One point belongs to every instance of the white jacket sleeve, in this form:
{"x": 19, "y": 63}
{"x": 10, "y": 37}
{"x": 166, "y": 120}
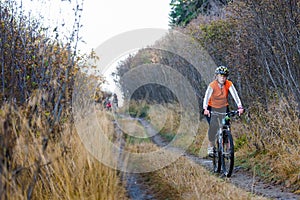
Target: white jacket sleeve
{"x": 235, "y": 96}
{"x": 208, "y": 93}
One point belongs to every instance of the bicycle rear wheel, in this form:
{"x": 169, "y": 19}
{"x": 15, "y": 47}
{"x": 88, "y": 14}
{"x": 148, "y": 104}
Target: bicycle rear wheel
{"x": 217, "y": 159}
{"x": 227, "y": 154}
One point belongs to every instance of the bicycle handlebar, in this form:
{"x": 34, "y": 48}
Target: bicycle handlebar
{"x": 230, "y": 113}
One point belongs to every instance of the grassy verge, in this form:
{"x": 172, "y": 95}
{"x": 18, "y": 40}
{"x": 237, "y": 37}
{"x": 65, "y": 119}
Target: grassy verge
{"x": 266, "y": 142}
{"x": 59, "y": 168}
{"x": 185, "y": 179}
{"x": 271, "y": 148}
{"x": 192, "y": 181}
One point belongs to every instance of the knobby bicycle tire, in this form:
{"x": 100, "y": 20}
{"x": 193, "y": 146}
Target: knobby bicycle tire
{"x": 217, "y": 158}
{"x": 227, "y": 154}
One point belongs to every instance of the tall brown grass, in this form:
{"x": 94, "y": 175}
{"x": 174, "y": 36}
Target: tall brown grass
{"x": 189, "y": 180}
{"x": 167, "y": 118}
{"x": 185, "y": 179}
{"x": 272, "y": 143}
{"x": 53, "y": 168}
{"x": 267, "y": 144}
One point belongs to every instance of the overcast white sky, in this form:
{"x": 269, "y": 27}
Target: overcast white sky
{"x": 103, "y": 19}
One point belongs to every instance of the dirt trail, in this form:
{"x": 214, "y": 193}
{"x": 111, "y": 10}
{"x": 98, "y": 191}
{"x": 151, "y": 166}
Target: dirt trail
{"x": 240, "y": 177}
{"x": 249, "y": 182}
{"x": 134, "y": 184}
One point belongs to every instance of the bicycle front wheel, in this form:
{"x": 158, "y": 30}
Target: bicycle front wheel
{"x": 227, "y": 154}
{"x": 217, "y": 159}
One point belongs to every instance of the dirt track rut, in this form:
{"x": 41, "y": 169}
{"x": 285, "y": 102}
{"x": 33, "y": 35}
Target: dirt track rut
{"x": 241, "y": 178}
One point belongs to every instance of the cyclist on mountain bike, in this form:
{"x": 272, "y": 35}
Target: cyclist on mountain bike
{"x": 115, "y": 102}
{"x": 216, "y": 99}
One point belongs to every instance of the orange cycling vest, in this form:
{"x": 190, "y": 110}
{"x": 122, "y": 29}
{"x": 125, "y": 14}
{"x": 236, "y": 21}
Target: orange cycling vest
{"x": 219, "y": 96}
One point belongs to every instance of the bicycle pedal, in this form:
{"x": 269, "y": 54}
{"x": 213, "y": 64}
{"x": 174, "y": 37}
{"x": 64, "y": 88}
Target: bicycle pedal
{"x": 211, "y": 155}
{"x": 226, "y": 153}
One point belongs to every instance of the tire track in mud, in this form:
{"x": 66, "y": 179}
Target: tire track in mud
{"x": 241, "y": 178}
{"x": 133, "y": 182}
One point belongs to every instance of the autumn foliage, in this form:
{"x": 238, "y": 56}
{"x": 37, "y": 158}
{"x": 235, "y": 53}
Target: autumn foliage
{"x": 259, "y": 42}
{"x": 38, "y": 142}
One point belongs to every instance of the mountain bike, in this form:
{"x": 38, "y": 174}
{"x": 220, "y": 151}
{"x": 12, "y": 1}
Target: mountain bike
{"x": 223, "y": 156}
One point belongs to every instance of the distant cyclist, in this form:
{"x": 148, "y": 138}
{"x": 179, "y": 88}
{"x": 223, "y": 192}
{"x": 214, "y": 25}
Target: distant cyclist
{"x": 115, "y": 102}
{"x": 107, "y": 103}
{"x": 216, "y": 99}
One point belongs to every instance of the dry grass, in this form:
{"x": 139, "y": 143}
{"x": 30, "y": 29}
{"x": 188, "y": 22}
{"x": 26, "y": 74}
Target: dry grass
{"x": 182, "y": 127}
{"x": 167, "y": 120}
{"x": 164, "y": 118}
{"x": 192, "y": 181}
{"x": 185, "y": 179}
{"x": 273, "y": 140}
{"x": 62, "y": 169}
{"x": 132, "y": 127}
{"x": 268, "y": 144}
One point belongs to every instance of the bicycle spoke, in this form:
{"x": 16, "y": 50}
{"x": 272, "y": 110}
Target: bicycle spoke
{"x": 217, "y": 159}
{"x": 227, "y": 157}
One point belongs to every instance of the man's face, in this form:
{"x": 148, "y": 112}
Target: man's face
{"x": 221, "y": 78}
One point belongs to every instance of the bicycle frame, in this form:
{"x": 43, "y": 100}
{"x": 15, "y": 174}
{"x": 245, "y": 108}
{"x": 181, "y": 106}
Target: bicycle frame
{"x": 224, "y": 154}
